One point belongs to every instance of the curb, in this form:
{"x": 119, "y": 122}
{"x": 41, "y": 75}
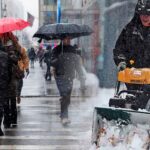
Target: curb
{"x": 38, "y": 96}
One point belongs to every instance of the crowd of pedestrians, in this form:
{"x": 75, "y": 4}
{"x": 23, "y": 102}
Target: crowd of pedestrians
{"x": 62, "y": 62}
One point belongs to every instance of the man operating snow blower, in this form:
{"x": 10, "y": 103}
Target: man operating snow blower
{"x": 132, "y": 50}
{"x": 132, "y": 57}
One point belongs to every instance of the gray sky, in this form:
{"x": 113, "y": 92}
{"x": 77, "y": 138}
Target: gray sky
{"x": 32, "y": 7}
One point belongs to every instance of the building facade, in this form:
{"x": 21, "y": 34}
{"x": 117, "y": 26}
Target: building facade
{"x": 47, "y": 11}
{"x": 107, "y": 19}
{"x": 15, "y": 9}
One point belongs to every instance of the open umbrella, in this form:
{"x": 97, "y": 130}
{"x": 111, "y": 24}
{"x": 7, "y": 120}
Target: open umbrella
{"x": 61, "y": 30}
{"x": 12, "y": 24}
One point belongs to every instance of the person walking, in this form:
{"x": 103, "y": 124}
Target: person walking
{"x": 5, "y": 77}
{"x": 132, "y": 48}
{"x": 32, "y": 56}
{"x": 10, "y": 109}
{"x": 40, "y": 55}
{"x": 23, "y": 64}
{"x": 65, "y": 62}
{"x": 47, "y": 60}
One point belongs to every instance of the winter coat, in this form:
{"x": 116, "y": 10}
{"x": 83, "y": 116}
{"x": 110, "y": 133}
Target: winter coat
{"x": 5, "y": 72}
{"x": 66, "y": 62}
{"x": 133, "y": 44}
{"x": 14, "y": 57}
{"x": 32, "y": 54}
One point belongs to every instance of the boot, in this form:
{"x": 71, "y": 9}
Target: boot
{"x": 65, "y": 121}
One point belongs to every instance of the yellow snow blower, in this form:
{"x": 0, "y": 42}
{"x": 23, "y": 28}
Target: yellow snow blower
{"x": 124, "y": 106}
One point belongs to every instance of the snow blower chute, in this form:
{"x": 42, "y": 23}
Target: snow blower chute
{"x": 125, "y": 103}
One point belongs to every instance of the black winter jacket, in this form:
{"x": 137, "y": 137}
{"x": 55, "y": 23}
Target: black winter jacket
{"x": 66, "y": 62}
{"x": 5, "y": 70}
{"x": 133, "y": 44}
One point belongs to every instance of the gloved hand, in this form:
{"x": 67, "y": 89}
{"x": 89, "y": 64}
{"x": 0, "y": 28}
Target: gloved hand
{"x": 122, "y": 65}
{"x": 27, "y": 72}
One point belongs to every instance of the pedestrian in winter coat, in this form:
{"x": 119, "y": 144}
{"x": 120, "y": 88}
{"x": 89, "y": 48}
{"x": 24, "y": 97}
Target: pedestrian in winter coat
{"x": 5, "y": 77}
{"x": 10, "y": 109}
{"x": 47, "y": 60}
{"x": 23, "y": 64}
{"x": 40, "y": 55}
{"x": 32, "y": 56}
{"x": 65, "y": 62}
{"x": 133, "y": 45}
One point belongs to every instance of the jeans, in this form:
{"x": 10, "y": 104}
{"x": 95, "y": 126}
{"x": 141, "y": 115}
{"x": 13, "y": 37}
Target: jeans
{"x": 65, "y": 89}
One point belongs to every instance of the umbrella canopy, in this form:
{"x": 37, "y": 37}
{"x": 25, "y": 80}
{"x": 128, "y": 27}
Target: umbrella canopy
{"x": 12, "y": 24}
{"x": 61, "y": 30}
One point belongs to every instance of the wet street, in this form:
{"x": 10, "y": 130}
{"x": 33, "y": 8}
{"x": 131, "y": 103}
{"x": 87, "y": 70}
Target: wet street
{"x": 39, "y": 126}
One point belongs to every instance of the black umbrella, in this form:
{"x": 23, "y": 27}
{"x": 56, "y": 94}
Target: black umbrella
{"x": 61, "y": 30}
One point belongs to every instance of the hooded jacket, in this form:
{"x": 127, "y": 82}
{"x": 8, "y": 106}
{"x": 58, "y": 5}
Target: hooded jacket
{"x": 133, "y": 44}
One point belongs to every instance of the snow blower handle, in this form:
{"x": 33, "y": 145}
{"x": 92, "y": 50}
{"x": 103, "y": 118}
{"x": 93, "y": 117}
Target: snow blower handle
{"x": 122, "y": 65}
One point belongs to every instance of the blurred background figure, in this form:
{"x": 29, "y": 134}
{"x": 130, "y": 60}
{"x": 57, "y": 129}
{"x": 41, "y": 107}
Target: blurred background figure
{"x": 47, "y": 60}
{"x": 32, "y": 56}
{"x": 40, "y": 55}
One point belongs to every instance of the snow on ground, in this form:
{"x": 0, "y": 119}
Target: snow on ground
{"x": 125, "y": 138}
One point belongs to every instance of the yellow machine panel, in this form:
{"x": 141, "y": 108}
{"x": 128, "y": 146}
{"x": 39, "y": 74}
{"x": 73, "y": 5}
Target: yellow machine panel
{"x": 135, "y": 76}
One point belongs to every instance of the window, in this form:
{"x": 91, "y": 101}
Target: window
{"x": 50, "y": 2}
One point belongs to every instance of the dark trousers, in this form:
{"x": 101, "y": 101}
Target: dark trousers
{"x": 19, "y": 85}
{"x": 65, "y": 89}
{"x": 10, "y": 111}
{"x": 48, "y": 74}
{"x": 64, "y": 104}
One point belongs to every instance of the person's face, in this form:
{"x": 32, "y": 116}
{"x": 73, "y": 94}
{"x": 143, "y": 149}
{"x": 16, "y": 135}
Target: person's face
{"x": 66, "y": 41}
{"x": 145, "y": 19}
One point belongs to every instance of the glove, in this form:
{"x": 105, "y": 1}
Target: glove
{"x": 122, "y": 65}
{"x": 27, "y": 71}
